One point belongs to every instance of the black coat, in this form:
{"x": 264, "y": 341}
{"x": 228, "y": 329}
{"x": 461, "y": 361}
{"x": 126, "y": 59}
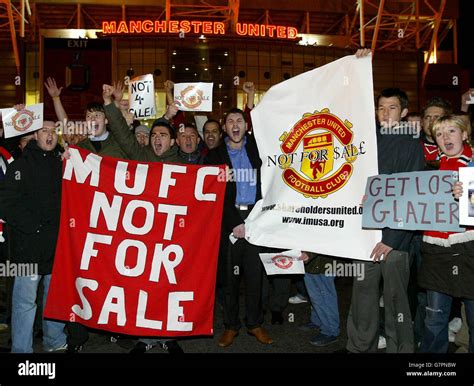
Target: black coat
{"x": 31, "y": 202}
{"x": 398, "y": 154}
{"x": 218, "y": 156}
{"x": 449, "y": 270}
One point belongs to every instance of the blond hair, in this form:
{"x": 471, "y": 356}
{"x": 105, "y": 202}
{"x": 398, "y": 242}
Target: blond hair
{"x": 455, "y": 120}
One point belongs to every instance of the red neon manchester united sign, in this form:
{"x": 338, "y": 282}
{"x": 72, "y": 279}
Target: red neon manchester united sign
{"x": 196, "y": 27}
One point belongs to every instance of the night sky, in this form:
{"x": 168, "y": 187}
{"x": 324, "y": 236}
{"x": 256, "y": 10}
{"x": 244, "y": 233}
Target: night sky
{"x": 466, "y": 37}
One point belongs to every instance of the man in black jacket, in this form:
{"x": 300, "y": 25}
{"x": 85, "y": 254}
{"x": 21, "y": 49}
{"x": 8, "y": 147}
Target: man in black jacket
{"x": 396, "y": 154}
{"x": 31, "y": 202}
{"x": 239, "y": 152}
{"x": 188, "y": 140}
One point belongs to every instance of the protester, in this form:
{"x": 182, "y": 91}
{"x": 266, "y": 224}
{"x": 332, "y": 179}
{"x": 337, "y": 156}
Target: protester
{"x": 99, "y": 141}
{"x": 188, "y": 140}
{"x": 323, "y": 296}
{"x": 31, "y": 204}
{"x": 434, "y": 108}
{"x": 212, "y": 133}
{"x": 448, "y": 261}
{"x": 5, "y": 159}
{"x": 142, "y": 134}
{"x": 239, "y": 151}
{"x": 161, "y": 148}
{"x": 71, "y": 134}
{"x": 396, "y": 154}
{"x": 414, "y": 119}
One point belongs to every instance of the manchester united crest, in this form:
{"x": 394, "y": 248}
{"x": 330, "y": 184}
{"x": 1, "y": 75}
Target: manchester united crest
{"x": 322, "y": 143}
{"x": 192, "y": 97}
{"x": 23, "y": 120}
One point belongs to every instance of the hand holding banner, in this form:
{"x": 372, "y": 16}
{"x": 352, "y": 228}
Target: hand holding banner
{"x": 200, "y": 121}
{"x": 193, "y": 96}
{"x": 317, "y": 151}
{"x": 17, "y": 123}
{"x": 131, "y": 257}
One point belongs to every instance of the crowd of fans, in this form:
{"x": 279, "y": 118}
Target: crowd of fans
{"x": 30, "y": 183}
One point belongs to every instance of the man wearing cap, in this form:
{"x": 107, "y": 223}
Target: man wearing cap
{"x": 142, "y": 134}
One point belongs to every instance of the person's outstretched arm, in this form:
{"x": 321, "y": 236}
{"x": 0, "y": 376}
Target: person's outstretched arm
{"x": 55, "y": 93}
{"x": 120, "y": 129}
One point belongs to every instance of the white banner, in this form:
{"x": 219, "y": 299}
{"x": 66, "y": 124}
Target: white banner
{"x": 141, "y": 91}
{"x": 282, "y": 263}
{"x": 466, "y": 201}
{"x": 21, "y": 122}
{"x": 193, "y": 96}
{"x": 200, "y": 121}
{"x": 317, "y": 141}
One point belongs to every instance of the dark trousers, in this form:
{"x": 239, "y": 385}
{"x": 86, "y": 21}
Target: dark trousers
{"x": 6, "y": 291}
{"x": 6, "y": 284}
{"x": 242, "y": 261}
{"x": 276, "y": 291}
{"x": 363, "y": 320}
{"x": 77, "y": 334}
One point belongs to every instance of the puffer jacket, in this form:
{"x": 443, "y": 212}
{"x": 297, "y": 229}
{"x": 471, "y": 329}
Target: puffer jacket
{"x": 31, "y": 203}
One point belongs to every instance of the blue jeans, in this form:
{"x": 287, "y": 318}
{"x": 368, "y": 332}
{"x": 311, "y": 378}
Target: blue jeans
{"x": 323, "y": 296}
{"x": 25, "y": 291}
{"x": 435, "y": 339}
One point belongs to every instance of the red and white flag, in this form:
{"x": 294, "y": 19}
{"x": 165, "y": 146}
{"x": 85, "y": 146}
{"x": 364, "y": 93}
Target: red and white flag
{"x": 138, "y": 245}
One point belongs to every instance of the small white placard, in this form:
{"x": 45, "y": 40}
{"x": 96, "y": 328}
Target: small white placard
{"x": 193, "y": 96}
{"x": 21, "y": 122}
{"x": 283, "y": 263}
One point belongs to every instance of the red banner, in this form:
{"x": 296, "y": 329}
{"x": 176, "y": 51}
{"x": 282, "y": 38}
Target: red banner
{"x": 138, "y": 245}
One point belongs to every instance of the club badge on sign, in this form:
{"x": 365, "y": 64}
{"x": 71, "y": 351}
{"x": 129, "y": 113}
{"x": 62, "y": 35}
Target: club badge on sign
{"x": 23, "y": 120}
{"x": 17, "y": 123}
{"x": 319, "y": 154}
{"x": 193, "y": 96}
{"x": 317, "y": 151}
{"x": 287, "y": 262}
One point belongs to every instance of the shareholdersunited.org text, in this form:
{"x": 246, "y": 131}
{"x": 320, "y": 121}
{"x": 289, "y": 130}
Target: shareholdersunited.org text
{"x": 339, "y": 210}
{"x": 342, "y": 210}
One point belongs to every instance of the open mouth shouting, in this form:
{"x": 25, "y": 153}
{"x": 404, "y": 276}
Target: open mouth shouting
{"x": 157, "y": 147}
{"x": 449, "y": 147}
